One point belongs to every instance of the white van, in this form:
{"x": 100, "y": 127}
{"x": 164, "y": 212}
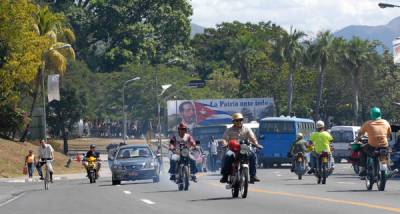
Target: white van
{"x": 342, "y": 137}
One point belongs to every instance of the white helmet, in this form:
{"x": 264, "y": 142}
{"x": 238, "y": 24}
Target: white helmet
{"x": 320, "y": 124}
{"x": 299, "y": 136}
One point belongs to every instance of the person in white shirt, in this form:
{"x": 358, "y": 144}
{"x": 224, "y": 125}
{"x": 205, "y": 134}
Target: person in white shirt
{"x": 46, "y": 152}
{"x": 213, "y": 147}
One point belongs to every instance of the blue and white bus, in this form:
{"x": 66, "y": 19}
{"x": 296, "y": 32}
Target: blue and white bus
{"x": 277, "y": 134}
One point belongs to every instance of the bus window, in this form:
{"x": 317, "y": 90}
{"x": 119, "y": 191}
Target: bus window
{"x": 277, "y": 127}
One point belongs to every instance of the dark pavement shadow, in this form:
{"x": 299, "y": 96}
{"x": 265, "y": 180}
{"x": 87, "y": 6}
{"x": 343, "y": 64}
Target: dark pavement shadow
{"x": 214, "y": 174}
{"x": 346, "y": 174}
{"x": 304, "y": 184}
{"x": 126, "y": 184}
{"x": 163, "y": 191}
{"x": 291, "y": 179}
{"x": 347, "y": 177}
{"x": 212, "y": 199}
{"x": 354, "y": 190}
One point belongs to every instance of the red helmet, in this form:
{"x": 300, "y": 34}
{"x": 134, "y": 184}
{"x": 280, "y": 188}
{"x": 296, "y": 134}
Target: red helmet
{"x": 182, "y": 126}
{"x": 234, "y": 145}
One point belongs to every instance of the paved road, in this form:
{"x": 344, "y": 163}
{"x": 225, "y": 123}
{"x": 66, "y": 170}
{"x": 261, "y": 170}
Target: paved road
{"x": 279, "y": 192}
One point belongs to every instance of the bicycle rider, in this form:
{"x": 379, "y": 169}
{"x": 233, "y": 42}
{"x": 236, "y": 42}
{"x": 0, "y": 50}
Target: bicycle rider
{"x": 46, "y": 152}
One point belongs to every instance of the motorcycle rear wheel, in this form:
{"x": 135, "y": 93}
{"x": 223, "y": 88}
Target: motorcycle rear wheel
{"x": 324, "y": 173}
{"x": 92, "y": 176}
{"x": 381, "y": 181}
{"x": 356, "y": 168}
{"x": 369, "y": 183}
{"x": 244, "y": 182}
{"x": 185, "y": 179}
{"x": 300, "y": 176}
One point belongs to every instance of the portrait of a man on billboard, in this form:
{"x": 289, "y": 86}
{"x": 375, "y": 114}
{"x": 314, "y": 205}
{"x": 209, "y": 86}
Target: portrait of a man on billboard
{"x": 187, "y": 113}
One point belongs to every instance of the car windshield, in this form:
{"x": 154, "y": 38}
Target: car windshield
{"x": 342, "y": 136}
{"x": 133, "y": 152}
{"x": 277, "y": 127}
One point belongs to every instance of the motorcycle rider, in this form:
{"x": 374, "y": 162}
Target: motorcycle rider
{"x": 239, "y": 132}
{"x": 183, "y": 137}
{"x": 378, "y": 131}
{"x": 300, "y": 145}
{"x": 321, "y": 141}
{"x": 92, "y": 153}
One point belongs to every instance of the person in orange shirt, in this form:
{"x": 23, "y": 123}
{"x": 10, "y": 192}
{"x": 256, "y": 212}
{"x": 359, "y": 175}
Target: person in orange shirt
{"x": 30, "y": 163}
{"x": 378, "y": 131}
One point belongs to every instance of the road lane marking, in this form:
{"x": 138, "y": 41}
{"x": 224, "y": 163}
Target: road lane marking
{"x": 147, "y": 201}
{"x": 12, "y": 199}
{"x": 127, "y": 192}
{"x": 319, "y": 198}
{"x": 342, "y": 182}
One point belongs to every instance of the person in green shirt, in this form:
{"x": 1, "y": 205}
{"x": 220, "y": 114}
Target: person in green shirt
{"x": 321, "y": 140}
{"x": 300, "y": 145}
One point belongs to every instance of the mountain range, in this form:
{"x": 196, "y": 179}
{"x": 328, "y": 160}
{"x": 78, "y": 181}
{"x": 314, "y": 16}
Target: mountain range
{"x": 384, "y": 33}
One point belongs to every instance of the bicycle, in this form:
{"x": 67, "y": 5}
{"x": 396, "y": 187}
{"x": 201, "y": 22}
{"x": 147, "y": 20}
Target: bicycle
{"x": 46, "y": 180}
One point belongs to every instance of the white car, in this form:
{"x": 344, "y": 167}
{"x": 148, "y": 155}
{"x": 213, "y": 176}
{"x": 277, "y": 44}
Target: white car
{"x": 342, "y": 137}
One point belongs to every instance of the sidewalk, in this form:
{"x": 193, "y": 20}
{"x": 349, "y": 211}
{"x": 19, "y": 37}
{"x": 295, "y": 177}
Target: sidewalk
{"x": 104, "y": 172}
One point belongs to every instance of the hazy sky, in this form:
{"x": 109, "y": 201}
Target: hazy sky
{"x": 307, "y": 15}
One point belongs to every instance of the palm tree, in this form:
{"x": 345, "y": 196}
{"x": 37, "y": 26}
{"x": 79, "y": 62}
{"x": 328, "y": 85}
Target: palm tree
{"x": 357, "y": 56}
{"x": 51, "y": 25}
{"x": 289, "y": 49}
{"x": 320, "y": 53}
{"x": 242, "y": 52}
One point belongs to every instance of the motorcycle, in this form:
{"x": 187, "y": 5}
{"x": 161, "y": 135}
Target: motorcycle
{"x": 238, "y": 180}
{"x": 377, "y": 167}
{"x": 323, "y": 170}
{"x": 354, "y": 159}
{"x": 92, "y": 161}
{"x": 300, "y": 167}
{"x": 183, "y": 163}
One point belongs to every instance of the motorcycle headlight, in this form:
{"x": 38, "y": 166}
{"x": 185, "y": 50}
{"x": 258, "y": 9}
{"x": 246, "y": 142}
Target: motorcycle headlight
{"x": 185, "y": 152}
{"x": 244, "y": 149}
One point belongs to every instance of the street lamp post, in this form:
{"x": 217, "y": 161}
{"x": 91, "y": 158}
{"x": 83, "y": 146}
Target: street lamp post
{"x": 385, "y": 5}
{"x": 123, "y": 104}
{"x": 44, "y": 96}
{"x": 164, "y": 88}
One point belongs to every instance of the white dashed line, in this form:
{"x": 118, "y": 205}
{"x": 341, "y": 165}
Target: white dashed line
{"x": 345, "y": 183}
{"x": 127, "y": 192}
{"x": 12, "y": 199}
{"x": 147, "y": 201}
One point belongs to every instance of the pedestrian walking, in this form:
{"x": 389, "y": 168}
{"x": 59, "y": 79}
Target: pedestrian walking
{"x": 213, "y": 147}
{"x": 30, "y": 163}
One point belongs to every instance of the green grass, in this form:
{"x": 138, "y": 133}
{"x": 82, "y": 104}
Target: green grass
{"x": 13, "y": 154}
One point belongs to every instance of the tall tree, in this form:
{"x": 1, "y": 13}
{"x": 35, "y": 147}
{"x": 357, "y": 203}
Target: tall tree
{"x": 52, "y": 26}
{"x": 20, "y": 49}
{"x": 320, "y": 53}
{"x": 290, "y": 49}
{"x": 357, "y": 56}
{"x": 114, "y": 33}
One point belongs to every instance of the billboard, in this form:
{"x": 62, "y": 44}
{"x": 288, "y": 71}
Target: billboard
{"x": 216, "y": 111}
{"x": 396, "y": 51}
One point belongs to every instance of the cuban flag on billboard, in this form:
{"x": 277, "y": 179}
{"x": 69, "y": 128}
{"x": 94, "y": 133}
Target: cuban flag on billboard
{"x": 207, "y": 115}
